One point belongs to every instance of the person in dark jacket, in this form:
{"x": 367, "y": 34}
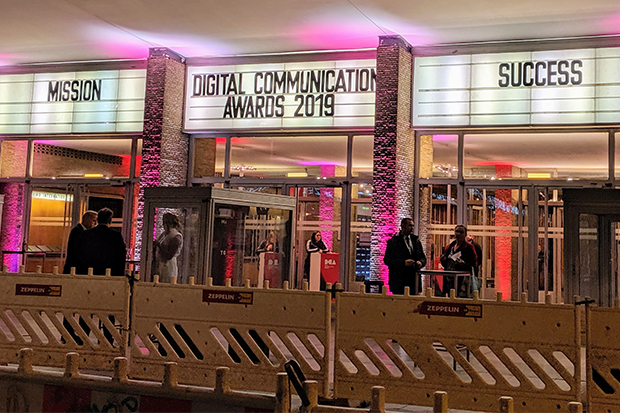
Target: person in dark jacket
{"x": 459, "y": 255}
{"x": 404, "y": 257}
{"x": 315, "y": 244}
{"x": 101, "y": 247}
{"x": 89, "y": 219}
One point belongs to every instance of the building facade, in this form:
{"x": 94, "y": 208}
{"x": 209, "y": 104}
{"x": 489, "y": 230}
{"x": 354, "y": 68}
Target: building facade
{"x": 493, "y": 136}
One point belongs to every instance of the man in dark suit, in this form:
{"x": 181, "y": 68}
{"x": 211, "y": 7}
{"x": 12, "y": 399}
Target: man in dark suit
{"x": 102, "y": 247}
{"x": 89, "y": 219}
{"x": 404, "y": 256}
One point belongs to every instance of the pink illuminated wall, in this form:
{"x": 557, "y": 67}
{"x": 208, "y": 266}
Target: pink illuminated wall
{"x": 394, "y": 148}
{"x": 326, "y": 205}
{"x": 503, "y": 244}
{"x": 12, "y": 231}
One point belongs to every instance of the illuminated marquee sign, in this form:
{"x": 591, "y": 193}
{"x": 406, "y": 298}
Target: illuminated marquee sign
{"x": 72, "y": 102}
{"x": 285, "y": 95}
{"x": 530, "y": 88}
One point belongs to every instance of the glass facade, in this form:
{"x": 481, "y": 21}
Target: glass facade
{"x": 316, "y": 171}
{"x": 510, "y": 187}
{"x": 49, "y": 183}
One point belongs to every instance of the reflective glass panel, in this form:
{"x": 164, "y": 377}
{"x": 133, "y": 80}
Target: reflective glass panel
{"x": 250, "y": 243}
{"x": 438, "y": 156}
{"x": 209, "y": 157}
{"x": 566, "y": 156}
{"x": 82, "y": 158}
{"x": 289, "y": 156}
{"x": 498, "y": 225}
{"x": 362, "y": 155}
{"x": 361, "y": 214}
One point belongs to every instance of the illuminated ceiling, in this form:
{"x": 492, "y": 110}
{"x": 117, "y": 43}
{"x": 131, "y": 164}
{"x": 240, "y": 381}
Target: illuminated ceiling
{"x": 36, "y": 31}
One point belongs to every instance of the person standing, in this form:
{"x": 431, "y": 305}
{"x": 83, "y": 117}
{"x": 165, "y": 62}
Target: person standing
{"x": 168, "y": 247}
{"x": 477, "y": 285}
{"x": 269, "y": 244}
{"x": 101, "y": 247}
{"x": 404, "y": 257}
{"x": 89, "y": 219}
{"x": 315, "y": 244}
{"x": 459, "y": 255}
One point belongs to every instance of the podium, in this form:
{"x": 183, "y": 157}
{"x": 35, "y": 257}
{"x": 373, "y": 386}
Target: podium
{"x": 326, "y": 266}
{"x": 269, "y": 269}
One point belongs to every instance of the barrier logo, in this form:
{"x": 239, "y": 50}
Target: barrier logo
{"x": 38, "y": 289}
{"x": 227, "y": 297}
{"x": 450, "y": 309}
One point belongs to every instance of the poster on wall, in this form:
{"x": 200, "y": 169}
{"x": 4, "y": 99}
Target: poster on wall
{"x": 322, "y": 94}
{"x": 580, "y": 86}
{"x": 73, "y": 102}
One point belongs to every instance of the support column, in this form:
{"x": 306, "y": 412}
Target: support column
{"x": 14, "y": 159}
{"x": 393, "y": 148}
{"x": 164, "y": 145}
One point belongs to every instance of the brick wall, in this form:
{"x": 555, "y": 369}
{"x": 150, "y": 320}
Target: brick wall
{"x": 394, "y": 148}
{"x": 164, "y": 146}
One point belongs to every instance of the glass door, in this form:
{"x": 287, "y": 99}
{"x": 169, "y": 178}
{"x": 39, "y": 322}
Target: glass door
{"x": 592, "y": 229}
{"x": 54, "y": 210}
{"x": 50, "y": 221}
{"x": 318, "y": 212}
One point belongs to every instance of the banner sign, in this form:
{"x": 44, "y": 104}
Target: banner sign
{"x": 338, "y": 93}
{"x": 450, "y": 309}
{"x": 72, "y": 102}
{"x": 38, "y": 289}
{"x": 557, "y": 87}
{"x": 227, "y": 297}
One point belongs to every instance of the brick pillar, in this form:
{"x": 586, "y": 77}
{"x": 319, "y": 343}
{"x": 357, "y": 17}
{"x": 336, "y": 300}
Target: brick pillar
{"x": 13, "y": 163}
{"x": 393, "y": 148}
{"x": 164, "y": 145}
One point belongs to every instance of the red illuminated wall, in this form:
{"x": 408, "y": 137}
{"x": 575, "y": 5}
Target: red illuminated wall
{"x": 503, "y": 244}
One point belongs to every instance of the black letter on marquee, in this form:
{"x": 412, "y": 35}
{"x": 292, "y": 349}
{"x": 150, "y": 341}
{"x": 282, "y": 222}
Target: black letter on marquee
{"x": 516, "y": 77}
{"x": 528, "y": 80}
{"x": 502, "y": 69}
{"x": 563, "y": 72}
{"x": 574, "y": 67}
{"x": 544, "y": 79}
{"x": 52, "y": 91}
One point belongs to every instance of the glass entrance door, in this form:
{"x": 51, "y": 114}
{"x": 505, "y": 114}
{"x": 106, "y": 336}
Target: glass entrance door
{"x": 51, "y": 211}
{"x": 592, "y": 236}
{"x": 318, "y": 211}
{"x": 54, "y": 210}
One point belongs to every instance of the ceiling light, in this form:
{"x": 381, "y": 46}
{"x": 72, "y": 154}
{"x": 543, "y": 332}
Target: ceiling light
{"x": 93, "y": 175}
{"x": 297, "y": 174}
{"x": 538, "y": 175}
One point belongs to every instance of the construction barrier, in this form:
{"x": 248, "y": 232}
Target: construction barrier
{"x": 602, "y": 359}
{"x": 25, "y": 389}
{"x": 476, "y": 350}
{"x": 252, "y": 331}
{"x": 56, "y": 313}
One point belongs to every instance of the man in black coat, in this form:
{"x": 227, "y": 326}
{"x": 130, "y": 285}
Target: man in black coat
{"x": 89, "y": 219}
{"x": 102, "y": 247}
{"x": 404, "y": 256}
